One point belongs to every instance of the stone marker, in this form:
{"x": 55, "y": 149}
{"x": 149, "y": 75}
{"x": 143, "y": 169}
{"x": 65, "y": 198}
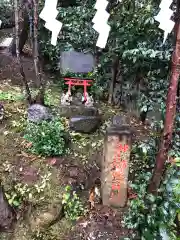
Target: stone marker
{"x": 115, "y": 163}
{"x": 38, "y": 113}
{"x": 76, "y": 62}
{"x": 84, "y": 124}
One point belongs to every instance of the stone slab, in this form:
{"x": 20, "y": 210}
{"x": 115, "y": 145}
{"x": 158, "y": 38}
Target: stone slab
{"x": 74, "y": 110}
{"x": 85, "y": 124}
{"x": 76, "y": 62}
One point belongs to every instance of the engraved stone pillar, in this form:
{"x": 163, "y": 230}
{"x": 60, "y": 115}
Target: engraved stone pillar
{"x": 115, "y": 163}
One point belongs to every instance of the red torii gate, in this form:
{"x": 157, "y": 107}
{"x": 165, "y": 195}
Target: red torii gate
{"x": 78, "y": 82}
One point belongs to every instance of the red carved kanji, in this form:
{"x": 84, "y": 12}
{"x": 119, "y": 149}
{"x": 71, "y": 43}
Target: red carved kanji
{"x": 117, "y": 175}
{"x": 119, "y": 164}
{"x": 123, "y": 164}
{"x": 115, "y": 188}
{"x": 123, "y": 148}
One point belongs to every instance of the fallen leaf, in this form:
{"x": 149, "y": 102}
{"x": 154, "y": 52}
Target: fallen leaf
{"x": 28, "y": 145}
{"x": 24, "y": 154}
{"x": 53, "y": 161}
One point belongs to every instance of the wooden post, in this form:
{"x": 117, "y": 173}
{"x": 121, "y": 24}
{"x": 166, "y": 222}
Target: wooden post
{"x": 115, "y": 164}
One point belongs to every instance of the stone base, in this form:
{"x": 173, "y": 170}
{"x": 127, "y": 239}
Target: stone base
{"x": 85, "y": 124}
{"x": 73, "y": 110}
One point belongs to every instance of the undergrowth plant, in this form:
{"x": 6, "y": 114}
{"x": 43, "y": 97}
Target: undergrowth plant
{"x": 46, "y": 138}
{"x": 153, "y": 216}
{"x": 10, "y": 96}
{"x": 18, "y": 192}
{"x": 73, "y": 206}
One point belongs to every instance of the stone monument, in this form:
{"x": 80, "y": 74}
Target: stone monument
{"x": 76, "y": 62}
{"x": 115, "y": 163}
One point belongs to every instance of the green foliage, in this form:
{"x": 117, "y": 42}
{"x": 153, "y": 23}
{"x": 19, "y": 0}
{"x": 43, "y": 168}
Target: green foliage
{"x": 20, "y": 192}
{"x": 10, "y": 96}
{"x": 19, "y": 125}
{"x": 73, "y": 206}
{"x": 47, "y": 138}
{"x": 76, "y": 33}
{"x": 153, "y": 216}
{"x": 134, "y": 37}
{"x": 13, "y": 199}
{"x": 6, "y": 13}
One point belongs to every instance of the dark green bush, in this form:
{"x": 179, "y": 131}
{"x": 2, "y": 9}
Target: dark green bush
{"x": 47, "y": 138}
{"x": 6, "y": 13}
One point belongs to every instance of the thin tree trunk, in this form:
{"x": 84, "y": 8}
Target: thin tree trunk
{"x": 113, "y": 80}
{"x": 16, "y": 5}
{"x": 23, "y": 29}
{"x": 39, "y": 82}
{"x": 169, "y": 118}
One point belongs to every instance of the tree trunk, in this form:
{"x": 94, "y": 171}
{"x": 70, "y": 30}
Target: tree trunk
{"x": 169, "y": 118}
{"x": 113, "y": 81}
{"x": 18, "y": 53}
{"x": 40, "y": 84}
{"x": 24, "y": 29}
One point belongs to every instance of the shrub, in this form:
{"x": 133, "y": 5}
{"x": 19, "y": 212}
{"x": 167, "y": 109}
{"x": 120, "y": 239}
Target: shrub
{"x": 73, "y": 207}
{"x": 47, "y": 138}
{"x": 6, "y": 13}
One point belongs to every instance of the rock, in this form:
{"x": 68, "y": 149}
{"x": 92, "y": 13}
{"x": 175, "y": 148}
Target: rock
{"x": 38, "y": 113}
{"x": 74, "y": 110}
{"x": 120, "y": 120}
{"x": 84, "y": 124}
{"x": 7, "y": 214}
{"x": 46, "y": 218}
{"x": 1, "y": 112}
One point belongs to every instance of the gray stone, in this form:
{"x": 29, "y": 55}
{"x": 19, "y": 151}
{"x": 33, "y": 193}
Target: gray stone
{"x": 76, "y": 62}
{"x": 38, "y": 113}
{"x": 1, "y": 112}
{"x": 74, "y": 110}
{"x": 120, "y": 120}
{"x": 84, "y": 124}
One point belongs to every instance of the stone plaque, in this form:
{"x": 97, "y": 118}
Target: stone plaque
{"x": 115, "y": 165}
{"x": 76, "y": 62}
